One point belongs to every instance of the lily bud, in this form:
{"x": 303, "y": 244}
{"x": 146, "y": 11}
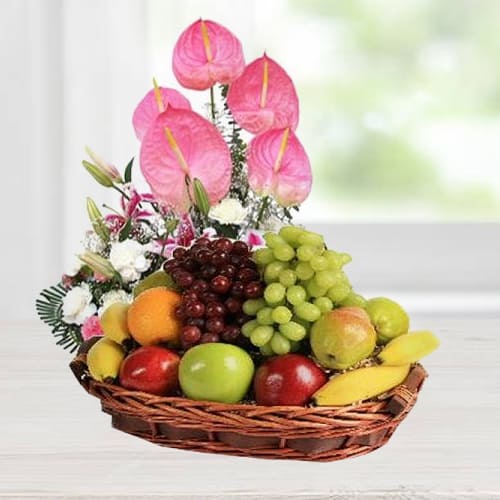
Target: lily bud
{"x": 96, "y": 219}
{"x": 100, "y": 177}
{"x": 105, "y": 167}
{"x": 201, "y": 196}
{"x": 98, "y": 264}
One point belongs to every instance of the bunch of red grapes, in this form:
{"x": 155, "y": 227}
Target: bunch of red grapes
{"x": 216, "y": 277}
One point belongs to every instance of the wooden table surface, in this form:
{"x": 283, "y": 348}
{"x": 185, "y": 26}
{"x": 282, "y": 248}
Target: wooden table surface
{"x": 55, "y": 442}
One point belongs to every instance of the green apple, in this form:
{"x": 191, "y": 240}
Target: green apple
{"x": 342, "y": 337}
{"x": 388, "y": 317}
{"x": 216, "y": 372}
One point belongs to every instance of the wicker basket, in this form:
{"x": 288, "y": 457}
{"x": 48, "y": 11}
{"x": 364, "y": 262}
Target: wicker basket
{"x": 285, "y": 432}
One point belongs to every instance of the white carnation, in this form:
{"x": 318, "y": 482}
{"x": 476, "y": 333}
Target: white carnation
{"x": 112, "y": 297}
{"x": 228, "y": 211}
{"x": 77, "y": 305}
{"x": 128, "y": 258}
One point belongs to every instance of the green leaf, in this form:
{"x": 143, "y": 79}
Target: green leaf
{"x": 125, "y": 230}
{"x": 128, "y": 171}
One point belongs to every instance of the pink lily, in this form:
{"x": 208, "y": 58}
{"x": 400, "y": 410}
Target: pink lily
{"x": 156, "y": 101}
{"x": 264, "y": 97}
{"x": 278, "y": 165}
{"x": 207, "y": 53}
{"x": 179, "y": 147}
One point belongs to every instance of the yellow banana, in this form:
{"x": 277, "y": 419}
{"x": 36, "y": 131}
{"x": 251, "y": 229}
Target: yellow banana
{"x": 114, "y": 322}
{"x": 408, "y": 348}
{"x": 360, "y": 384}
{"x": 104, "y": 359}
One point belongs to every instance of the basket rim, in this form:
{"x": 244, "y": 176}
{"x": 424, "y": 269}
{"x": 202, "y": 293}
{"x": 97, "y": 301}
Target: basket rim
{"x": 79, "y": 367}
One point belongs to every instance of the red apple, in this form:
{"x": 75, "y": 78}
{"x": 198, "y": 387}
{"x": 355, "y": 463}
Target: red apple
{"x": 152, "y": 369}
{"x": 290, "y": 379}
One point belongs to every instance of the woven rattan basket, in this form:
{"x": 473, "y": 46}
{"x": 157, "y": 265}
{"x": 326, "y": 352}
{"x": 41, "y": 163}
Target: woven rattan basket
{"x": 284, "y": 432}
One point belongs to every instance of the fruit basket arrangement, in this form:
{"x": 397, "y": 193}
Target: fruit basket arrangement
{"x": 201, "y": 316}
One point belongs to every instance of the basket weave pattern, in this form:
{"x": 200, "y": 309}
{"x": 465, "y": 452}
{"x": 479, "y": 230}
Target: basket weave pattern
{"x": 286, "y": 432}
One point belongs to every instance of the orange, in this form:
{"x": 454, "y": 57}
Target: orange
{"x": 151, "y": 317}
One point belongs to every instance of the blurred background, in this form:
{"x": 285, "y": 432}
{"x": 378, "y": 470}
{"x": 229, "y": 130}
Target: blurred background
{"x": 400, "y": 115}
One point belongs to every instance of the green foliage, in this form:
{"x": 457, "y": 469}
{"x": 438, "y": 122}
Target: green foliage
{"x": 49, "y": 309}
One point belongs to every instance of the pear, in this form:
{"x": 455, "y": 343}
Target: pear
{"x": 388, "y": 317}
{"x": 114, "y": 323}
{"x": 104, "y": 360}
{"x": 158, "y": 278}
{"x": 342, "y": 337}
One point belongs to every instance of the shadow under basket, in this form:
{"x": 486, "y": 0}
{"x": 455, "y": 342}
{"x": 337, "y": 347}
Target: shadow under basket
{"x": 281, "y": 432}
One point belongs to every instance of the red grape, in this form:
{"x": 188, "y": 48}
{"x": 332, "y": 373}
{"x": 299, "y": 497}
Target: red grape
{"x": 230, "y": 333}
{"x": 254, "y": 290}
{"x": 233, "y": 305}
{"x": 199, "y": 322}
{"x": 220, "y": 284}
{"x": 190, "y": 335}
{"x": 195, "y": 309}
{"x": 214, "y": 325}
{"x": 239, "y": 248}
{"x": 238, "y": 289}
{"x": 215, "y": 310}
{"x": 179, "y": 253}
{"x": 209, "y": 337}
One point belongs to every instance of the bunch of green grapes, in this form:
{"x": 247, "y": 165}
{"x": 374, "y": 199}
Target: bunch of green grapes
{"x": 303, "y": 281}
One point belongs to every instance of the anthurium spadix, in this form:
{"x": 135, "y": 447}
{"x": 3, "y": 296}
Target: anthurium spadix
{"x": 279, "y": 166}
{"x": 182, "y": 146}
{"x": 264, "y": 97}
{"x": 155, "y": 102}
{"x": 207, "y": 53}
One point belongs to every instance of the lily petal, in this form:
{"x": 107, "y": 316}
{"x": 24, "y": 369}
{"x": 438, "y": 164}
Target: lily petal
{"x": 207, "y": 53}
{"x": 182, "y": 145}
{"x": 156, "y": 101}
{"x": 279, "y": 166}
{"x": 264, "y": 97}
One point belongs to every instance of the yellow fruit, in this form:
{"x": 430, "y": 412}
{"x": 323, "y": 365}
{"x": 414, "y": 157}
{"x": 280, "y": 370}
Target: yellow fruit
{"x": 158, "y": 278}
{"x": 114, "y": 322}
{"x": 408, "y": 348}
{"x": 360, "y": 384}
{"x": 388, "y": 317}
{"x": 104, "y": 359}
{"x": 152, "y": 319}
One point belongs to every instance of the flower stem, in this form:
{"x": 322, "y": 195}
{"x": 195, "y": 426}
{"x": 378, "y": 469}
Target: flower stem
{"x": 262, "y": 210}
{"x": 212, "y": 103}
{"x": 125, "y": 195}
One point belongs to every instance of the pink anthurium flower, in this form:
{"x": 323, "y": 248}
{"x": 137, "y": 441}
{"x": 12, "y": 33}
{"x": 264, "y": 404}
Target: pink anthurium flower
{"x": 278, "y": 166}
{"x": 179, "y": 147}
{"x": 155, "y": 102}
{"x": 207, "y": 53}
{"x": 264, "y": 97}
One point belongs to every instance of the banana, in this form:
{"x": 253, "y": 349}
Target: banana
{"x": 408, "y": 348}
{"x": 104, "y": 359}
{"x": 360, "y": 384}
{"x": 114, "y": 323}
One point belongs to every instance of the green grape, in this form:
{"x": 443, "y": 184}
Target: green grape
{"x": 334, "y": 259}
{"x": 284, "y": 253}
{"x": 354, "y": 299}
{"x": 274, "y": 293}
{"x": 249, "y": 327}
{"x": 265, "y": 316}
{"x": 307, "y": 311}
{"x": 263, "y": 256}
{"x": 288, "y": 277}
{"x": 293, "y": 330}
{"x": 339, "y": 292}
{"x": 281, "y": 315}
{"x": 252, "y": 306}
{"x": 314, "y": 290}
{"x": 273, "y": 240}
{"x": 325, "y": 279}
{"x": 280, "y": 344}
{"x": 345, "y": 258}
{"x": 324, "y": 304}
{"x": 319, "y": 263}
{"x": 306, "y": 252}
{"x": 291, "y": 234}
{"x": 304, "y": 271}
{"x": 273, "y": 270}
{"x": 266, "y": 349}
{"x": 313, "y": 239}
{"x": 296, "y": 294}
{"x": 261, "y": 335}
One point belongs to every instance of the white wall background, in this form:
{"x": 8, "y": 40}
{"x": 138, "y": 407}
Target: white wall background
{"x": 72, "y": 72}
